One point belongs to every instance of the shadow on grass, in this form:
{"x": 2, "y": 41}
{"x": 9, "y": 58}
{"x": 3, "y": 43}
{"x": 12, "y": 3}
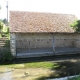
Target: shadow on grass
{"x": 65, "y": 69}
{"x": 41, "y": 59}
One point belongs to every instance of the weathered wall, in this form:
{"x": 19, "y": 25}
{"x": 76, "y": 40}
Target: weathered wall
{"x": 64, "y": 40}
{"x": 67, "y": 40}
{"x": 33, "y": 40}
{"x": 13, "y": 44}
{"x": 77, "y": 40}
{"x": 45, "y": 40}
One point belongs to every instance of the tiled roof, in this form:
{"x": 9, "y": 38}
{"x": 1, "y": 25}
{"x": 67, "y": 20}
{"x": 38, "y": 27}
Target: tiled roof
{"x": 25, "y": 22}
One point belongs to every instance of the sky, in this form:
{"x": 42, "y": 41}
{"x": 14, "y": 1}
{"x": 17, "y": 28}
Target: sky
{"x": 51, "y": 6}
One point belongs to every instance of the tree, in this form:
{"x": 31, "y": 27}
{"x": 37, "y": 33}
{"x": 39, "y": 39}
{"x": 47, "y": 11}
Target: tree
{"x": 1, "y": 27}
{"x": 76, "y": 25}
{"x": 5, "y": 21}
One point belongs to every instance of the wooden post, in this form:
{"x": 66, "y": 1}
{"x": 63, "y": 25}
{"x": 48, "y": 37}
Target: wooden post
{"x": 53, "y": 44}
{"x": 29, "y": 45}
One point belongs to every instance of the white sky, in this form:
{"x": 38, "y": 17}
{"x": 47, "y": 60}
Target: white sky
{"x": 51, "y": 6}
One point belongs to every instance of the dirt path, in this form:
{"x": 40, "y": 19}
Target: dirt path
{"x": 25, "y": 74}
{"x": 30, "y": 73}
{"x": 5, "y": 74}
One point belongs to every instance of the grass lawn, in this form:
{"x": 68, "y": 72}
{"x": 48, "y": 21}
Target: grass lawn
{"x": 36, "y": 70}
{"x": 32, "y": 65}
{"x": 41, "y": 70}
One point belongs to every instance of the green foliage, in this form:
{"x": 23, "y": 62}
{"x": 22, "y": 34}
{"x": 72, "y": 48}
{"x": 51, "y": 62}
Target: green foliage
{"x": 1, "y": 26}
{"x": 4, "y": 30}
{"x": 7, "y": 30}
{"x": 76, "y": 25}
{"x": 7, "y": 56}
{"x": 75, "y": 78}
{"x": 5, "y": 21}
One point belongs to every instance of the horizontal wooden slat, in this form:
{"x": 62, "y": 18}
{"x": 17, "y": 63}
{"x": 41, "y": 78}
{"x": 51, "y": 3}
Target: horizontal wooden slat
{"x": 3, "y": 42}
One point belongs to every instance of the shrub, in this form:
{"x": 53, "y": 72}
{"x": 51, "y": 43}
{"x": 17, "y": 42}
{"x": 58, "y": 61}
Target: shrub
{"x": 7, "y": 56}
{"x": 76, "y": 25}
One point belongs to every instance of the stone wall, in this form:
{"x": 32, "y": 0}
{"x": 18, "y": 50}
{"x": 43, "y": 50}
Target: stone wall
{"x": 43, "y": 40}
{"x": 67, "y": 40}
{"x": 77, "y": 40}
{"x": 13, "y": 44}
{"x": 33, "y": 40}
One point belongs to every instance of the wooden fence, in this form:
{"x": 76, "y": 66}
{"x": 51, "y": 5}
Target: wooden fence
{"x": 4, "y": 46}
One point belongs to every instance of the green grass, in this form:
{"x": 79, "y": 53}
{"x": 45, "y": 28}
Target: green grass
{"x": 32, "y": 65}
{"x": 75, "y": 78}
{"x": 40, "y": 65}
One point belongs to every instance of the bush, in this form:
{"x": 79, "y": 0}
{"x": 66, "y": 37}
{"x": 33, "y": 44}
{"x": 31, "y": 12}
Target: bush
{"x": 76, "y": 25}
{"x": 7, "y": 56}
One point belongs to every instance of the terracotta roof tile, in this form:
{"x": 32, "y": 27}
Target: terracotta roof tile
{"x": 40, "y": 22}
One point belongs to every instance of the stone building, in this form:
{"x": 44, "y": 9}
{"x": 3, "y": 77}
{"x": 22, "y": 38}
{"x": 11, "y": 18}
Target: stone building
{"x": 35, "y": 34}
